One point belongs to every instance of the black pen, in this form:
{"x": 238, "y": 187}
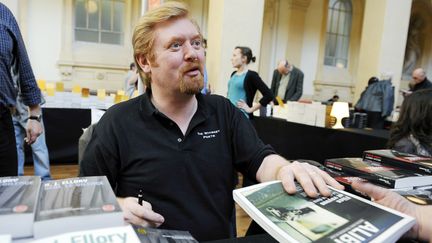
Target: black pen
{"x": 140, "y": 197}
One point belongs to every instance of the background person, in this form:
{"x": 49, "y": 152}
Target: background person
{"x": 131, "y": 80}
{"x": 38, "y": 148}
{"x": 194, "y": 144}
{"x": 244, "y": 83}
{"x": 412, "y": 133}
{"x": 287, "y": 82}
{"x": 14, "y": 59}
{"x": 419, "y": 80}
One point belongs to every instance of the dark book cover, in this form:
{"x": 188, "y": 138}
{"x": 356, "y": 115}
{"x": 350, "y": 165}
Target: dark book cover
{"x": 342, "y": 217}
{"x": 404, "y": 160}
{"x": 80, "y": 203}
{"x": 18, "y": 199}
{"x": 378, "y": 173}
{"x": 152, "y": 235}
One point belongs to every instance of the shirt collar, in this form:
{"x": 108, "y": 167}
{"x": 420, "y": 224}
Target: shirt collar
{"x": 147, "y": 109}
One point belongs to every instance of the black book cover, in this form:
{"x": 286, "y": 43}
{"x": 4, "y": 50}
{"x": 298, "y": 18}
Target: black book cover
{"x": 81, "y": 203}
{"x": 403, "y": 160}
{"x": 375, "y": 172}
{"x": 152, "y": 235}
{"x": 18, "y": 199}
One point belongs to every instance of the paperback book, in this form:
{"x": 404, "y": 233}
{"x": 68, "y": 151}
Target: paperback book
{"x": 389, "y": 176}
{"x": 419, "y": 195}
{"x": 152, "y": 235}
{"x": 18, "y": 197}
{"x": 399, "y": 159}
{"x": 76, "y": 204}
{"x": 342, "y": 217}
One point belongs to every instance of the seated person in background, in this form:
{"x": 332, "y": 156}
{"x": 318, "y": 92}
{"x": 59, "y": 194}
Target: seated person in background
{"x": 181, "y": 148}
{"x": 131, "y": 80}
{"x": 287, "y": 82}
{"x": 244, "y": 83}
{"x": 419, "y": 80}
{"x": 333, "y": 99}
{"x": 412, "y": 133}
{"x": 422, "y": 230}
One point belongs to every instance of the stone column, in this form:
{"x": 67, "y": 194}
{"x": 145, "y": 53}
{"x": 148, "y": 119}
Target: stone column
{"x": 231, "y": 24}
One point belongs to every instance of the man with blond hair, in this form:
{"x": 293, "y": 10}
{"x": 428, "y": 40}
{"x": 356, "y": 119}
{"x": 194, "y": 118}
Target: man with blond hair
{"x": 179, "y": 149}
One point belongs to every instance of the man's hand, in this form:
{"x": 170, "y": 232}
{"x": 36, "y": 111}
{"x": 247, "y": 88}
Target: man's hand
{"x": 310, "y": 178}
{"x": 33, "y": 130}
{"x": 142, "y": 215}
{"x": 395, "y": 201}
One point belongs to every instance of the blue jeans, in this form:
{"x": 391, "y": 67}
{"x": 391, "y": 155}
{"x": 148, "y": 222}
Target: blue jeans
{"x": 39, "y": 152}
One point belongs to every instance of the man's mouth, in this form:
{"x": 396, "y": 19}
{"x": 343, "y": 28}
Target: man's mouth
{"x": 194, "y": 71}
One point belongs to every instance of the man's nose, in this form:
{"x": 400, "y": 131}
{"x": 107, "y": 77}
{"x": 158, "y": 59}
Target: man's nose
{"x": 191, "y": 53}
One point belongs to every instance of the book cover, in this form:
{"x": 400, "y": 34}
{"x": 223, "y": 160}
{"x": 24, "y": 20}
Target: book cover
{"x": 403, "y": 160}
{"x": 152, "y": 235}
{"x": 342, "y": 217}
{"x": 389, "y": 176}
{"x": 121, "y": 234}
{"x": 18, "y": 197}
{"x": 76, "y": 204}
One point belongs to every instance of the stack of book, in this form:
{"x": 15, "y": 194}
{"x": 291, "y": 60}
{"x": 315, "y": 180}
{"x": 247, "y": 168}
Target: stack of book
{"x": 80, "y": 209}
{"x": 409, "y": 175}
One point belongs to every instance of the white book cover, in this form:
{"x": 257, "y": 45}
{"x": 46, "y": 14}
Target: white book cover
{"x": 121, "y": 234}
{"x": 342, "y": 217}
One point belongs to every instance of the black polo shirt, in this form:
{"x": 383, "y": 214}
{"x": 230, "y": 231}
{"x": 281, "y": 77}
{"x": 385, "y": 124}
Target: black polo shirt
{"x": 187, "y": 179}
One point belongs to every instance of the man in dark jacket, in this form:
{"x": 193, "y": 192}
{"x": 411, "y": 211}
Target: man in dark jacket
{"x": 287, "y": 82}
{"x": 420, "y": 80}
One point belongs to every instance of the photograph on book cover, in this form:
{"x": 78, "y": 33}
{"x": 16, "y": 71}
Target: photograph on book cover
{"x": 331, "y": 219}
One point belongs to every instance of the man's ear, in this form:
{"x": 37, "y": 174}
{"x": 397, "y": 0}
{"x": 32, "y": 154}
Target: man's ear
{"x": 144, "y": 64}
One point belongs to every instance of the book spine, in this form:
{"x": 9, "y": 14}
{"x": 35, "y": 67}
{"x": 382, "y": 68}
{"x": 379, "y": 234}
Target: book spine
{"x": 372, "y": 177}
{"x": 402, "y": 164}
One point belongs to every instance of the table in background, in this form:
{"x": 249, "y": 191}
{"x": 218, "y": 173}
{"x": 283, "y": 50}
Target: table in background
{"x": 299, "y": 141}
{"x": 63, "y": 127}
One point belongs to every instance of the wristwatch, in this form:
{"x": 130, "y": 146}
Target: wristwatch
{"x": 37, "y": 118}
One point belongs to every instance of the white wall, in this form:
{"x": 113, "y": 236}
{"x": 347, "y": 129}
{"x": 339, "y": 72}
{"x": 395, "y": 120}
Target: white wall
{"x": 231, "y": 24}
{"x": 44, "y": 37}
{"x": 311, "y": 45}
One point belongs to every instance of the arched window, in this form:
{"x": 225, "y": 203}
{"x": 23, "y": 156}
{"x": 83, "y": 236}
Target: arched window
{"x": 99, "y": 21}
{"x": 338, "y": 33}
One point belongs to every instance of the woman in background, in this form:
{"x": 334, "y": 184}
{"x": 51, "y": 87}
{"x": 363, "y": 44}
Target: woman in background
{"x": 412, "y": 133}
{"x": 244, "y": 83}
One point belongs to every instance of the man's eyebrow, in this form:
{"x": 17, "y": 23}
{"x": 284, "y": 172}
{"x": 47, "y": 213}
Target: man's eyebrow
{"x": 174, "y": 39}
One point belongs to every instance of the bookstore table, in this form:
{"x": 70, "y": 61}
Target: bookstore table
{"x": 299, "y": 141}
{"x": 63, "y": 127}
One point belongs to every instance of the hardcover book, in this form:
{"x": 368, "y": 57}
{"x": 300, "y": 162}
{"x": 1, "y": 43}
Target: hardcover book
{"x": 342, "y": 217}
{"x": 121, "y": 234}
{"x": 378, "y": 173}
{"x": 399, "y": 159}
{"x": 152, "y": 235}
{"x": 18, "y": 197}
{"x": 76, "y": 204}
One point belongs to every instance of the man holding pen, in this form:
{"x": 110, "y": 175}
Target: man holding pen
{"x": 181, "y": 148}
